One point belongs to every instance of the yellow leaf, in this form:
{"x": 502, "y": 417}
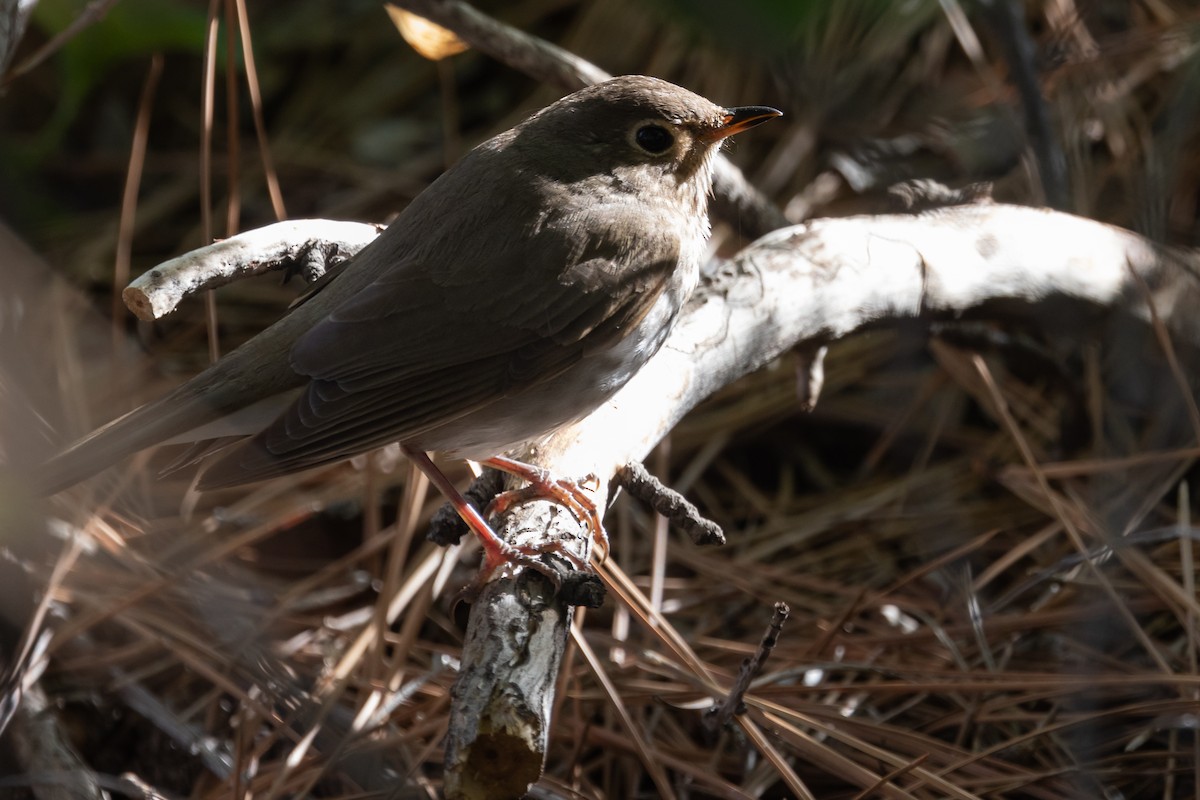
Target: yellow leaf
{"x": 427, "y": 38}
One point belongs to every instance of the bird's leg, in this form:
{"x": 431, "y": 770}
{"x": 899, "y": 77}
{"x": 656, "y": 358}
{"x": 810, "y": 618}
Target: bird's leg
{"x": 542, "y": 485}
{"x": 496, "y": 551}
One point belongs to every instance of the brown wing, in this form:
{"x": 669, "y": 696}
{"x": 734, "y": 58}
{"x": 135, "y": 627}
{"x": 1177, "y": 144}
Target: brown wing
{"x": 408, "y": 353}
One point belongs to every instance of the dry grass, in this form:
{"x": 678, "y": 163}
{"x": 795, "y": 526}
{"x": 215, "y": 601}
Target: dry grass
{"x": 983, "y": 532}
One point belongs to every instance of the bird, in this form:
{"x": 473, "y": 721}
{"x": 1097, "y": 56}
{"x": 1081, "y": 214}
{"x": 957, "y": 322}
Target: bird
{"x": 514, "y": 295}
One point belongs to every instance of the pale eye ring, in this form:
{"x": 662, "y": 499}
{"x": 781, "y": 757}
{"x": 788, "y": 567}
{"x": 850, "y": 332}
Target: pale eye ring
{"x": 654, "y": 139}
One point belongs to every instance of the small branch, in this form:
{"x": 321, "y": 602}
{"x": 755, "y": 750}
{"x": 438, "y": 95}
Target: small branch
{"x": 311, "y": 247}
{"x": 819, "y": 282}
{"x": 717, "y": 717}
{"x": 810, "y": 374}
{"x": 636, "y": 480}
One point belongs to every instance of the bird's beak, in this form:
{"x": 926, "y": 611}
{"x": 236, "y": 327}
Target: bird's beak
{"x": 739, "y": 119}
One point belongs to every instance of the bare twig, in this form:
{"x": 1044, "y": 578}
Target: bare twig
{"x": 810, "y": 374}
{"x": 500, "y": 728}
{"x": 635, "y": 479}
{"x": 522, "y": 51}
{"x": 719, "y": 716}
{"x": 310, "y": 247}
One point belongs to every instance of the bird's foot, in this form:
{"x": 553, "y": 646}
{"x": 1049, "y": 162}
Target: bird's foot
{"x": 542, "y": 485}
{"x": 497, "y": 553}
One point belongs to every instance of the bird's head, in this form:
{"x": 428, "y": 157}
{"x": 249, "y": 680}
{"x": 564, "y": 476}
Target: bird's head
{"x": 634, "y": 130}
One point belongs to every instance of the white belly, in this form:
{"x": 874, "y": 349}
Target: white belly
{"x": 541, "y": 409}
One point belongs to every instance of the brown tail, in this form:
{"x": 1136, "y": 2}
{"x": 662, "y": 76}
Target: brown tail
{"x": 143, "y": 427}
{"x": 242, "y": 378}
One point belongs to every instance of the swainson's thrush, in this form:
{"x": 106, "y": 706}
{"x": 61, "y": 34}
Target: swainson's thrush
{"x": 518, "y": 292}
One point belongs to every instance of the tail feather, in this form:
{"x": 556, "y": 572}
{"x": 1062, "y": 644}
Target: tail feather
{"x": 141, "y": 428}
{"x": 249, "y": 380}
{"x": 229, "y": 386}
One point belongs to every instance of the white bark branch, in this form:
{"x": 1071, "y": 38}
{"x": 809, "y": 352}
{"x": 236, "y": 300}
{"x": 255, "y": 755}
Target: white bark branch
{"x": 817, "y": 282}
{"x": 310, "y": 246}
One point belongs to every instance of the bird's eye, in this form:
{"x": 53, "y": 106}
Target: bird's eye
{"x": 654, "y": 138}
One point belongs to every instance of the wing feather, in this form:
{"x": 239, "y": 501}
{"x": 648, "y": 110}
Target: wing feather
{"x": 382, "y": 367}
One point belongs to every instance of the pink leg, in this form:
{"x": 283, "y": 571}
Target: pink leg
{"x": 496, "y": 552}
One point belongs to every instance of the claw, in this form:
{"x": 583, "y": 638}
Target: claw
{"x": 565, "y": 492}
